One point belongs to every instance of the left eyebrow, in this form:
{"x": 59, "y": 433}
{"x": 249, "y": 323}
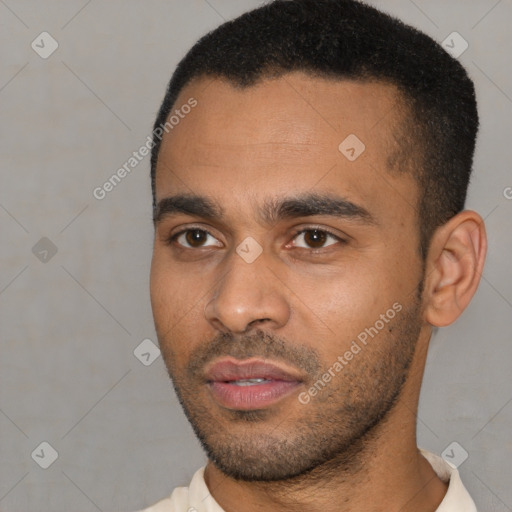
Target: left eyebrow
{"x": 308, "y": 205}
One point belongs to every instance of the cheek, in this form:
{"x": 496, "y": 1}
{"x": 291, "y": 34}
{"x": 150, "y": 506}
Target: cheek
{"x": 345, "y": 301}
{"x": 173, "y": 296}
{"x": 159, "y": 287}
{"x": 177, "y": 301}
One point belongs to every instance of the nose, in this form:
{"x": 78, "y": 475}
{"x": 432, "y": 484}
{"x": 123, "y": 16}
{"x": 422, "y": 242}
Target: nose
{"x": 248, "y": 295}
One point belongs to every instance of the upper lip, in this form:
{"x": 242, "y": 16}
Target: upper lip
{"x": 232, "y": 369}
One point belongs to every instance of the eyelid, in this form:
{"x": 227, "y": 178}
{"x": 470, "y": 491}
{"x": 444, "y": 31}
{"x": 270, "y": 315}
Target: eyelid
{"x": 174, "y": 236}
{"x": 299, "y": 231}
{"x": 296, "y": 232}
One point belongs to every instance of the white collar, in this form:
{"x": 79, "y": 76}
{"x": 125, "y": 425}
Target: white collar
{"x": 197, "y": 498}
{"x": 457, "y": 498}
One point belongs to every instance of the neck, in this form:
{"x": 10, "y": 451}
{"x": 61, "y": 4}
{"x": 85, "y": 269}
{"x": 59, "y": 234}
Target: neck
{"x": 383, "y": 471}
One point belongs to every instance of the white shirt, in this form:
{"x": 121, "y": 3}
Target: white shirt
{"x": 197, "y": 498}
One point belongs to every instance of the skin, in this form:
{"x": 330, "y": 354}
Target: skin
{"x": 307, "y": 296}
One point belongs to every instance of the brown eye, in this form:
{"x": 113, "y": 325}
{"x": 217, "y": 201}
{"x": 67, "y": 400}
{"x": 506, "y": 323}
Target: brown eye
{"x": 314, "y": 239}
{"x": 196, "y": 239}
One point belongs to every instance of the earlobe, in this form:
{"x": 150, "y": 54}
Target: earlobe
{"x": 454, "y": 265}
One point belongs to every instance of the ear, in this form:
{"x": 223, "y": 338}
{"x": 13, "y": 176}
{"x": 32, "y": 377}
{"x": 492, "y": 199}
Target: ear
{"x": 453, "y": 268}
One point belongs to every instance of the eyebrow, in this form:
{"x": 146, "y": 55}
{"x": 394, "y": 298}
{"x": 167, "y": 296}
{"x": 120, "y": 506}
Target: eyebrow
{"x": 187, "y": 204}
{"x": 272, "y": 211}
{"x": 311, "y": 204}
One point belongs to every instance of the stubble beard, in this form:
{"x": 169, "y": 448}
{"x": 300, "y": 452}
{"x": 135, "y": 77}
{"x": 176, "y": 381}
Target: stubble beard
{"x": 336, "y": 426}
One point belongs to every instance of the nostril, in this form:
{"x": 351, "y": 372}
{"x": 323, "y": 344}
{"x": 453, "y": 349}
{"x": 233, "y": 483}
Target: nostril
{"x": 258, "y": 321}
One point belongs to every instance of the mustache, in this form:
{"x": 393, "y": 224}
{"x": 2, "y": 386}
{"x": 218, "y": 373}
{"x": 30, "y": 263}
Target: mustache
{"x": 257, "y": 344}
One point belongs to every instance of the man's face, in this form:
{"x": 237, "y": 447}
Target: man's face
{"x": 295, "y": 255}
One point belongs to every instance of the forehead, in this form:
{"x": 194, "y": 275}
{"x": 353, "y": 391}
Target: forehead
{"x": 287, "y": 135}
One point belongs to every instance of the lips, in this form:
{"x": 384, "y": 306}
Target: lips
{"x": 229, "y": 370}
{"x": 250, "y": 384}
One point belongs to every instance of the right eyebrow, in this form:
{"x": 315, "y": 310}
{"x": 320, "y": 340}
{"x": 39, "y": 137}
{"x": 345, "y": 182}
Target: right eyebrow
{"x": 188, "y": 204}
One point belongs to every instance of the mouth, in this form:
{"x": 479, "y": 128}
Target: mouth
{"x": 250, "y": 384}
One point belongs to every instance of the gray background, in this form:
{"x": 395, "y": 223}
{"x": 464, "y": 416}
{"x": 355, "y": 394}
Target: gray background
{"x": 69, "y": 324}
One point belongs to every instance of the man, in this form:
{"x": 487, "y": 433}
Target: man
{"x": 309, "y": 174}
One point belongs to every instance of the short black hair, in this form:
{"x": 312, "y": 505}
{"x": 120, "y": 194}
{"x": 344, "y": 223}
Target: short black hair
{"x": 347, "y": 39}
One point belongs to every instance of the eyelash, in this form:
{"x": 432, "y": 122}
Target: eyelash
{"x": 322, "y": 230}
{"x": 172, "y": 239}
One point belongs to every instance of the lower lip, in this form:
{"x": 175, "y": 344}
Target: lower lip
{"x": 256, "y": 396}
